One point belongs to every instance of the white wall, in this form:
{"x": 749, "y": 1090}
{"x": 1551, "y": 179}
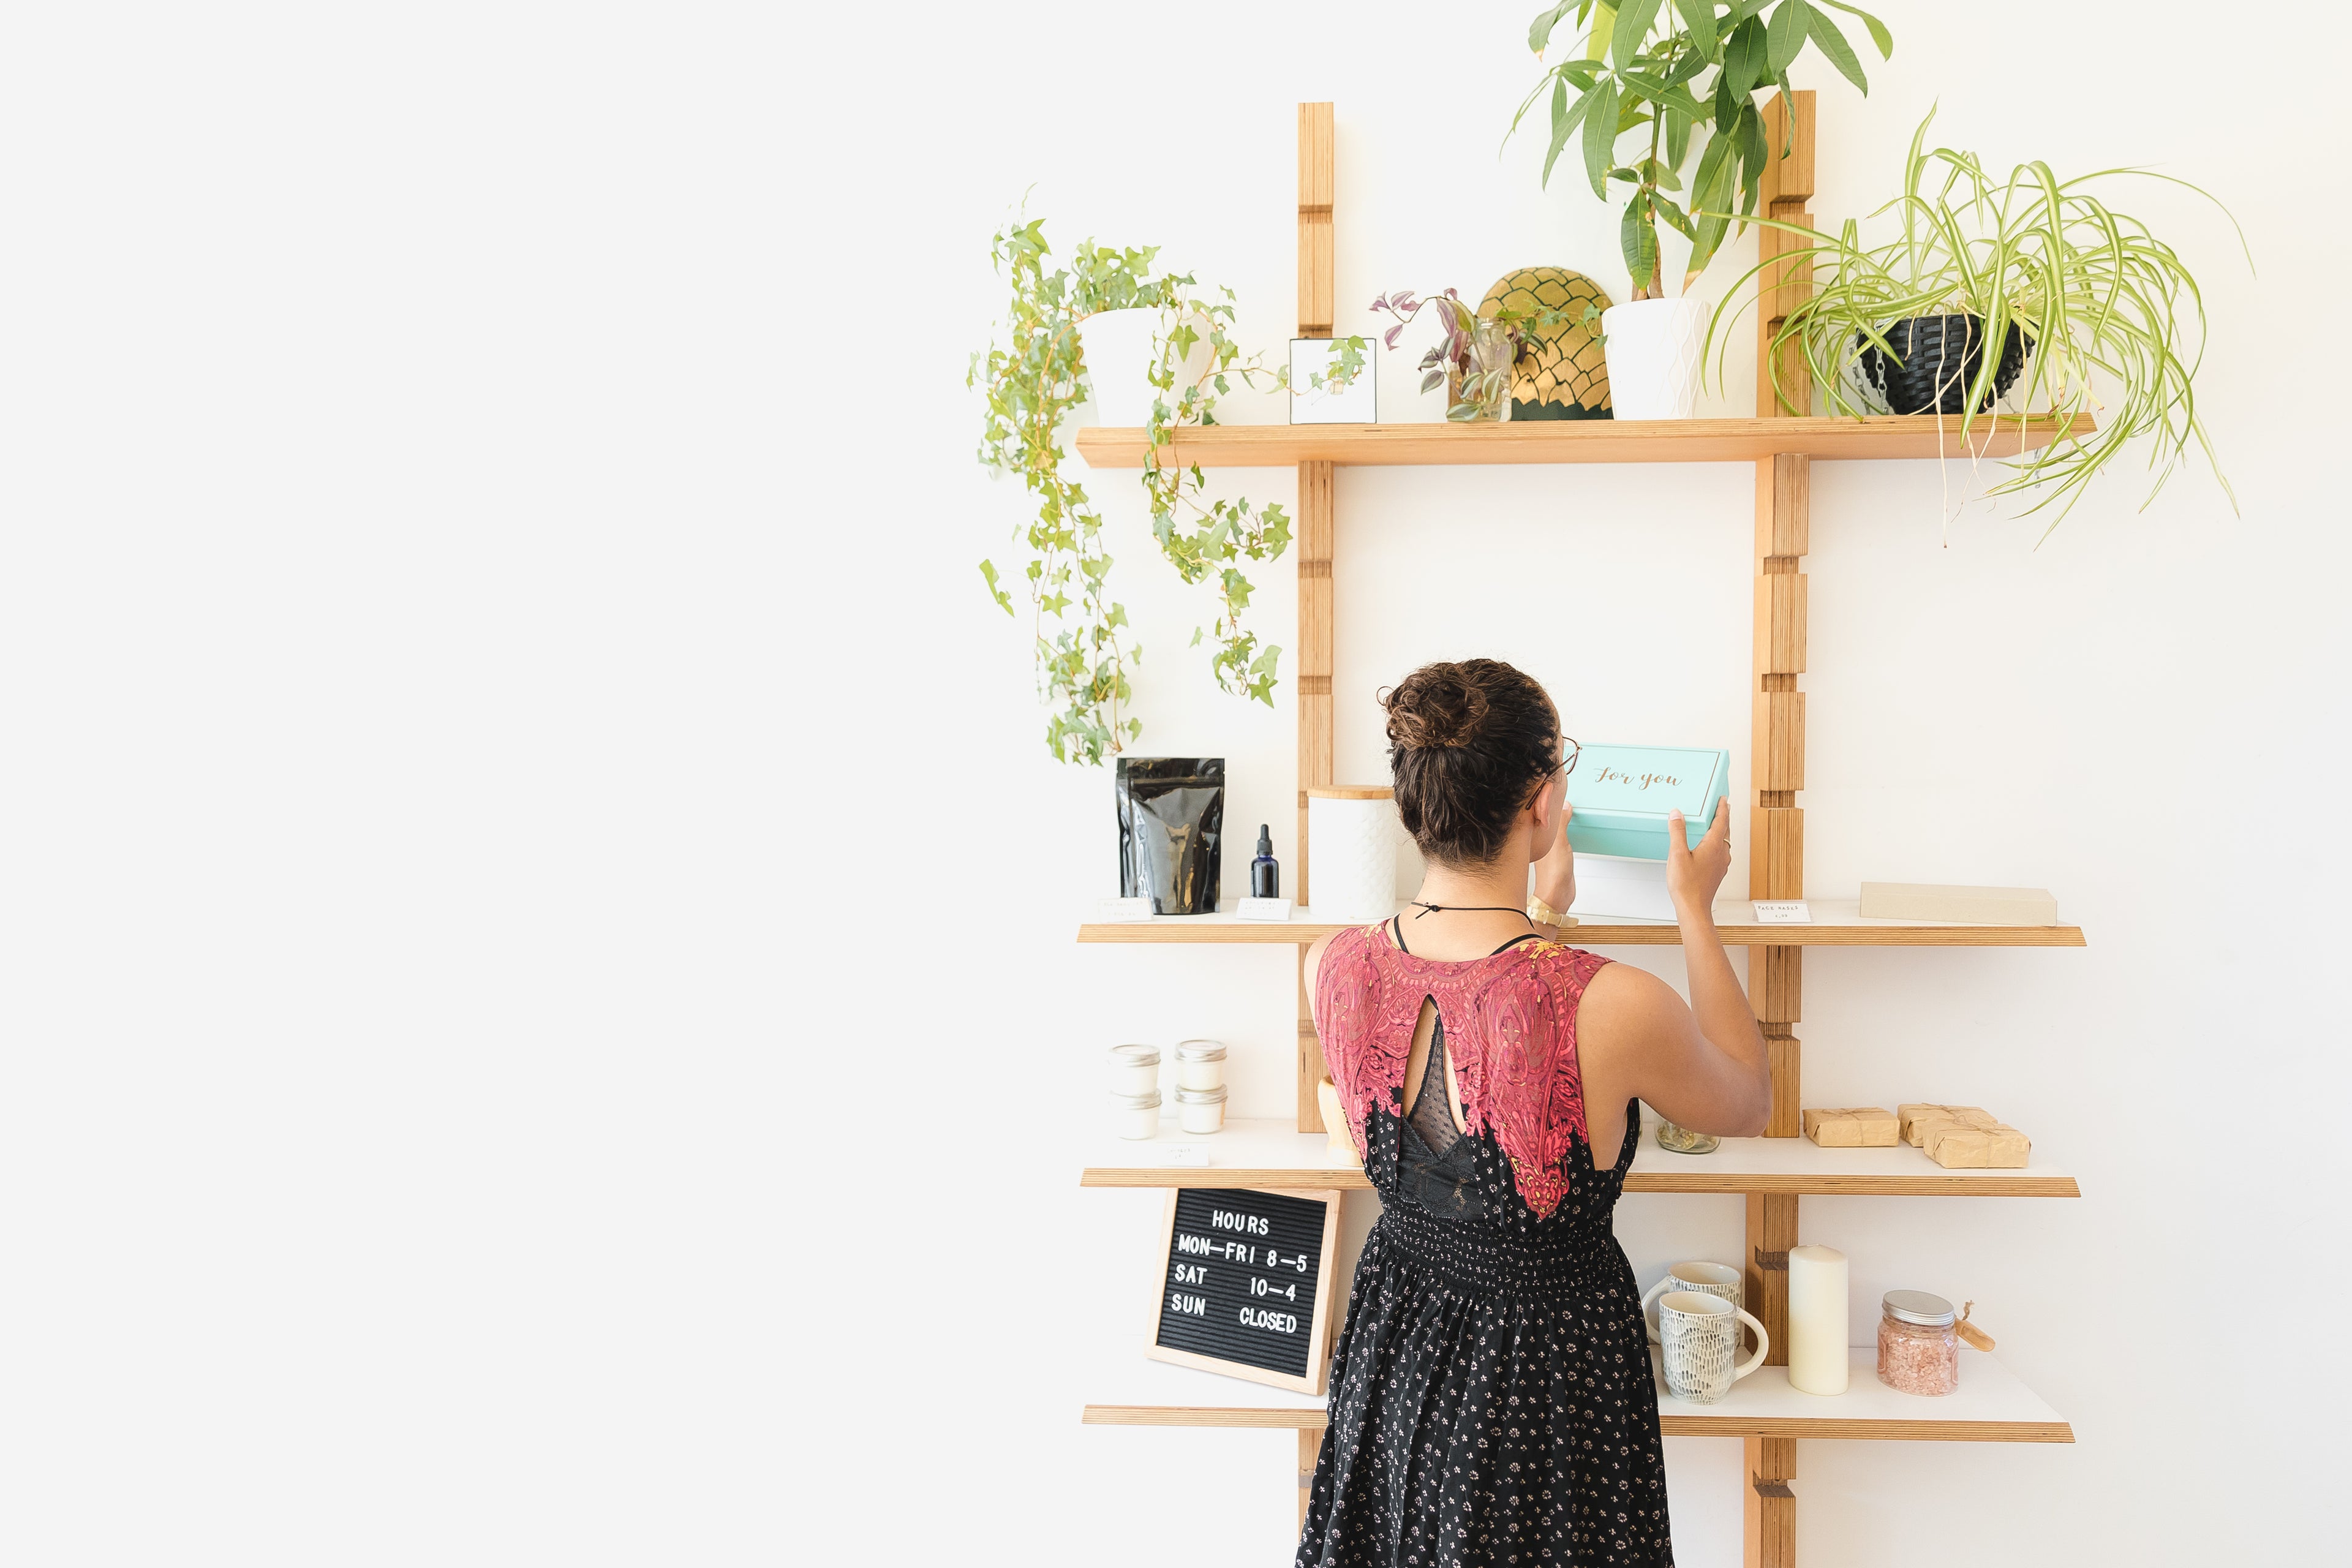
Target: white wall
{"x": 538, "y": 1011}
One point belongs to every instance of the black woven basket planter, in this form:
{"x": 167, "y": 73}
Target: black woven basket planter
{"x": 1934, "y": 359}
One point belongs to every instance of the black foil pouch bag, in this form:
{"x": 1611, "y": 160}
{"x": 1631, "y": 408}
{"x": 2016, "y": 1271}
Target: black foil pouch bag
{"x": 1171, "y": 814}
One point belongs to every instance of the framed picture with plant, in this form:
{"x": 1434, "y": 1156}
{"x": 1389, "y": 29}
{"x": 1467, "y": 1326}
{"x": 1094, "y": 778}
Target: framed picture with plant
{"x": 1033, "y": 377}
{"x": 2021, "y": 286}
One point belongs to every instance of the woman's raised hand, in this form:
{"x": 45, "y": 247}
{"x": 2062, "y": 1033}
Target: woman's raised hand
{"x": 1693, "y": 875}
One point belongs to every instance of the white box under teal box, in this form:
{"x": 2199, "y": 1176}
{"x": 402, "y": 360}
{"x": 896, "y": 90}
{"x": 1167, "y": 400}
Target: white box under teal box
{"x": 1621, "y": 795}
{"x": 1613, "y": 887}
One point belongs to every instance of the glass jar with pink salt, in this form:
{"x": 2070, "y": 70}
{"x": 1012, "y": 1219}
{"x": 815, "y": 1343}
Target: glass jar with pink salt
{"x": 1918, "y": 1347}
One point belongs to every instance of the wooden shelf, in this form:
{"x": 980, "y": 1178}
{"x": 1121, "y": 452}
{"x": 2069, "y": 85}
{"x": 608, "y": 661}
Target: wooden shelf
{"x": 1582, "y": 441}
{"x": 1992, "y": 1406}
{"x": 1837, "y": 922}
{"x": 1269, "y": 1156}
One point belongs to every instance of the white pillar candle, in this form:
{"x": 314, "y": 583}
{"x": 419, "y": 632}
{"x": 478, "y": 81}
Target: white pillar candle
{"x": 1817, "y": 1319}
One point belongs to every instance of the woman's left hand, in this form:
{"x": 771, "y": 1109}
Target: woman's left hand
{"x": 1555, "y": 874}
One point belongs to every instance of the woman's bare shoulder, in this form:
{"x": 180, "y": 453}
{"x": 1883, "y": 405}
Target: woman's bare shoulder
{"x": 1623, "y": 1008}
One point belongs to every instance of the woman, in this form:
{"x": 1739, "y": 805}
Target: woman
{"x": 1491, "y": 1400}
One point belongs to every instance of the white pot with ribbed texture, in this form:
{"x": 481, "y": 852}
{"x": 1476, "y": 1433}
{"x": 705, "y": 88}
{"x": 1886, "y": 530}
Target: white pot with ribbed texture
{"x": 1351, "y": 853}
{"x": 1117, "y": 345}
{"x": 1653, "y": 357}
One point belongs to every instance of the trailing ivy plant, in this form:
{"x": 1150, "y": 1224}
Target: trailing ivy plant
{"x": 2093, "y": 291}
{"x": 1643, "y": 67}
{"x": 1033, "y": 378}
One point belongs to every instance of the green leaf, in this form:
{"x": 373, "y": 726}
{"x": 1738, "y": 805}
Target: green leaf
{"x": 1672, "y": 215}
{"x": 1743, "y": 60}
{"x": 1830, "y": 42}
{"x": 1785, "y": 38}
{"x": 1878, "y": 33}
{"x": 1600, "y": 134}
{"x": 1639, "y": 241}
{"x": 1678, "y": 135}
{"x": 1539, "y": 30}
{"x": 1604, "y": 22}
{"x": 1726, "y": 104}
{"x": 1633, "y": 19}
{"x": 1698, "y": 20}
{"x": 1562, "y": 124}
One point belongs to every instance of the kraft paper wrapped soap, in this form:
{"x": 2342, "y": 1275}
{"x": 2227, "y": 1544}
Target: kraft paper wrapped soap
{"x": 1854, "y": 1127}
{"x": 1965, "y": 1138}
{"x": 1911, "y": 1116}
{"x": 1999, "y": 1147}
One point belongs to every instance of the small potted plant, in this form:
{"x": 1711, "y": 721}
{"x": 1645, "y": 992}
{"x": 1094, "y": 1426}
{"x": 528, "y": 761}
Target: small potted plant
{"x": 1643, "y": 70}
{"x": 2025, "y": 287}
{"x": 1472, "y": 359}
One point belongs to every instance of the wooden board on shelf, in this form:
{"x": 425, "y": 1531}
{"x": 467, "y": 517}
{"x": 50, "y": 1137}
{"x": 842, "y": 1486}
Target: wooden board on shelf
{"x": 1266, "y": 1154}
{"x": 1992, "y": 1406}
{"x": 1584, "y": 441}
{"x": 1837, "y": 922}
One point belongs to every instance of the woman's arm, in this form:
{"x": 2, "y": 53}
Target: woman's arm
{"x": 1703, "y": 1065}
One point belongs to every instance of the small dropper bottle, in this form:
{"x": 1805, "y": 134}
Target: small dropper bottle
{"x": 1266, "y": 874}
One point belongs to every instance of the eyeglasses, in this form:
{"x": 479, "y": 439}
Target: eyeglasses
{"x": 1568, "y": 764}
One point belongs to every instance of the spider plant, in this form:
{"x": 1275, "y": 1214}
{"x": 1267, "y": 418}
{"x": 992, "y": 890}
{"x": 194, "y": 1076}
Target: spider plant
{"x": 2032, "y": 261}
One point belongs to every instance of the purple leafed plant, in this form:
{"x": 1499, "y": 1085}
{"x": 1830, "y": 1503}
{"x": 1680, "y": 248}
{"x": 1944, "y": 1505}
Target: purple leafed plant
{"x": 1455, "y": 354}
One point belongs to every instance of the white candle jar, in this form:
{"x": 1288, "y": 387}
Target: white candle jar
{"x": 1138, "y": 1115}
{"x": 1135, "y": 1070}
{"x": 1201, "y": 1109}
{"x": 1201, "y": 1063}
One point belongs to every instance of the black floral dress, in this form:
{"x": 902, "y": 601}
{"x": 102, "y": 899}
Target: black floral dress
{"x": 1491, "y": 1396}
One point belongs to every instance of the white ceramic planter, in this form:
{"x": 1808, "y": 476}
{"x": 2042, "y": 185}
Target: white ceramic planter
{"x": 1118, "y": 349}
{"x": 1653, "y": 348}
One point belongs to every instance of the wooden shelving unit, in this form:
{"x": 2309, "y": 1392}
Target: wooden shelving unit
{"x": 1772, "y": 1173}
{"x": 1992, "y": 1406}
{"x": 1267, "y": 1155}
{"x": 1836, "y": 923}
{"x": 1581, "y": 441}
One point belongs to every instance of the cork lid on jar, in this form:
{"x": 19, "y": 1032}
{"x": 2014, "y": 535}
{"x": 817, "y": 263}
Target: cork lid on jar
{"x": 1919, "y": 1306}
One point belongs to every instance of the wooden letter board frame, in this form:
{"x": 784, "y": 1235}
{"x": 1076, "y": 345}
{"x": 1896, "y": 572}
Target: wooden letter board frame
{"x": 1318, "y": 1332}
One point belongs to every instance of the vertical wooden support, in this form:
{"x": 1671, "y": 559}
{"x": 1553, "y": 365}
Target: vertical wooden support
{"x": 1771, "y": 1231}
{"x": 1776, "y": 823}
{"x": 1775, "y": 844}
{"x": 1310, "y": 1447}
{"x": 1315, "y": 180}
{"x": 1786, "y": 186}
{"x": 1311, "y": 668}
{"x": 1771, "y": 1505}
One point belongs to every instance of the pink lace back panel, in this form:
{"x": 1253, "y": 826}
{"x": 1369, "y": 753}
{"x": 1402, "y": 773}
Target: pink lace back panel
{"x": 1510, "y": 1026}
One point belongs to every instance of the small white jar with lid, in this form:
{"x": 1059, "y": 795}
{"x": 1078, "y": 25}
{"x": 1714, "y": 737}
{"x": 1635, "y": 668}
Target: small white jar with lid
{"x": 1201, "y": 1109}
{"x": 1135, "y": 1070}
{"x": 1138, "y": 1115}
{"x": 1201, "y": 1063}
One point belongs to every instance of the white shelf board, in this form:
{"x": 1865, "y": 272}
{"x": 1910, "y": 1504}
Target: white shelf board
{"x": 1270, "y": 1153}
{"x": 1992, "y": 1406}
{"x": 1836, "y": 922}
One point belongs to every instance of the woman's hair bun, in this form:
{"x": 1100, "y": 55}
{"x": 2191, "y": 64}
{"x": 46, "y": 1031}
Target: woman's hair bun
{"x": 1438, "y": 705}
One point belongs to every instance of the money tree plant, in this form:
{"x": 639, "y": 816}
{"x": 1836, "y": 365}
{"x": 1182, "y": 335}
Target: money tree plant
{"x": 1680, "y": 78}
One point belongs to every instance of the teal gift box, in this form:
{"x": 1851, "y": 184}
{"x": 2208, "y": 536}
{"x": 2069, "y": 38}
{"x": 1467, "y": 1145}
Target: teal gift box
{"x": 1621, "y": 795}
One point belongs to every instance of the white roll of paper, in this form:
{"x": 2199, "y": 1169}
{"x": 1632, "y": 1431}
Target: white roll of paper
{"x": 1351, "y": 855}
{"x": 1817, "y": 1319}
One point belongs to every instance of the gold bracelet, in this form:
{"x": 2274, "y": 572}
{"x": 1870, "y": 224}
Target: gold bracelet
{"x": 1543, "y": 915}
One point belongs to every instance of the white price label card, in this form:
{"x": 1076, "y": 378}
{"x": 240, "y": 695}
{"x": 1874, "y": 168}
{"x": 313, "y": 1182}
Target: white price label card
{"x": 1262, "y": 909}
{"x": 1119, "y": 910}
{"x": 1195, "y": 1154}
{"x": 1784, "y": 913}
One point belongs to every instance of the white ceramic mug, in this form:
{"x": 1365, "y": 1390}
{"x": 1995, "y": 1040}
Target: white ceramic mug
{"x": 1719, "y": 1279}
{"x": 1701, "y": 1336}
